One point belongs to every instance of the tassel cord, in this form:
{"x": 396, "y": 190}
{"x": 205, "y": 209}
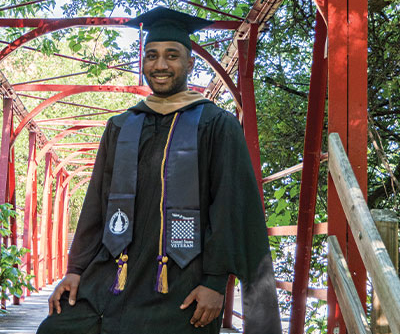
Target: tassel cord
{"x": 162, "y": 276}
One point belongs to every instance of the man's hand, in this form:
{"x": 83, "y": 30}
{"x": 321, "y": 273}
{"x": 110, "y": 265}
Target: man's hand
{"x": 69, "y": 283}
{"x": 209, "y": 305}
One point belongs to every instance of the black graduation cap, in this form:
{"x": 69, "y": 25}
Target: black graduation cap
{"x": 163, "y": 24}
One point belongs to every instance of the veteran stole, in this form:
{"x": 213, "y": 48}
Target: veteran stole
{"x": 179, "y": 203}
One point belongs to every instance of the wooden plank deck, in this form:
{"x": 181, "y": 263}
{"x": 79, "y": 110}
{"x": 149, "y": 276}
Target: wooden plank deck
{"x": 25, "y": 318}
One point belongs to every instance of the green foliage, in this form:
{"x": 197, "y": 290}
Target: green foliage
{"x": 384, "y": 103}
{"x": 12, "y": 279}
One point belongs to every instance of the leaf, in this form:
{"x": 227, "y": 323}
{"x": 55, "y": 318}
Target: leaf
{"x": 294, "y": 192}
{"x": 279, "y": 193}
{"x": 76, "y": 47}
{"x": 282, "y": 205}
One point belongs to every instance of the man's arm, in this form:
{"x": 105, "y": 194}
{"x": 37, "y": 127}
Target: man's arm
{"x": 236, "y": 241}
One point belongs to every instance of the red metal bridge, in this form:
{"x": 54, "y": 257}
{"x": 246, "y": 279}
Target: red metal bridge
{"x": 339, "y": 68}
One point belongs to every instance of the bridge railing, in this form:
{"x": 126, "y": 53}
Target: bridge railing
{"x": 373, "y": 252}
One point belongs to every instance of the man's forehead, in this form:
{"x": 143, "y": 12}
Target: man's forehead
{"x": 165, "y": 46}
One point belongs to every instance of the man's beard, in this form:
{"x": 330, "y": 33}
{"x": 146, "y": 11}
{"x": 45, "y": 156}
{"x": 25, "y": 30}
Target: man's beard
{"x": 177, "y": 84}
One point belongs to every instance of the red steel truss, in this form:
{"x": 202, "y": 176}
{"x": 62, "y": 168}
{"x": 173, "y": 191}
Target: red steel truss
{"x": 344, "y": 59}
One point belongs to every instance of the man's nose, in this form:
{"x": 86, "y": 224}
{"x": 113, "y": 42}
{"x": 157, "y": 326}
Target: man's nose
{"x": 161, "y": 64}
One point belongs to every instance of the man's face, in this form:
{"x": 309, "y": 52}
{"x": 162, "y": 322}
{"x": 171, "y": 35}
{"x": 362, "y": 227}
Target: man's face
{"x": 166, "y": 66}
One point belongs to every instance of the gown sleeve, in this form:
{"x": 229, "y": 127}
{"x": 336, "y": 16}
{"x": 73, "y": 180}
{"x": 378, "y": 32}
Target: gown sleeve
{"x": 236, "y": 240}
{"x": 89, "y": 233}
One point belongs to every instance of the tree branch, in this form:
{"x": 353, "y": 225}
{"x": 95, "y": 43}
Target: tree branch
{"x": 275, "y": 83}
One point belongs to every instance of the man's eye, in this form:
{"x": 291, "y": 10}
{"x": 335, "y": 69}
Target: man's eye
{"x": 151, "y": 56}
{"x": 172, "y": 56}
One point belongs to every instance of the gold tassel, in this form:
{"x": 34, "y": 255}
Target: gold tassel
{"x": 123, "y": 274}
{"x": 163, "y": 280}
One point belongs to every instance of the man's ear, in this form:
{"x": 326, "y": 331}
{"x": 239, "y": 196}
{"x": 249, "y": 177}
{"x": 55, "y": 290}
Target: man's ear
{"x": 191, "y": 61}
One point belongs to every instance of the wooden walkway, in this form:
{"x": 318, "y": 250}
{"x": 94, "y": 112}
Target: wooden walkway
{"x": 25, "y": 318}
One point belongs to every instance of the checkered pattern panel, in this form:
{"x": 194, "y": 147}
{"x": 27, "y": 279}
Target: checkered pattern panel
{"x": 182, "y": 229}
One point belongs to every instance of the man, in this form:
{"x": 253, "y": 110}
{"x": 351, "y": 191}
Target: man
{"x": 172, "y": 209}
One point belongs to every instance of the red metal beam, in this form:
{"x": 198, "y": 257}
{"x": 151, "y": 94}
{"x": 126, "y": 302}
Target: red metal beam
{"x": 49, "y": 25}
{"x": 82, "y": 161}
{"x": 215, "y": 43}
{"x": 229, "y": 300}
{"x": 65, "y": 231}
{"x": 60, "y": 230}
{"x": 309, "y": 179}
{"x": 246, "y": 63}
{"x": 213, "y": 10}
{"x": 84, "y": 173}
{"x": 77, "y": 59}
{"x": 248, "y": 106}
{"x": 251, "y": 49}
{"x": 83, "y": 123}
{"x": 75, "y": 172}
{"x": 138, "y": 90}
{"x": 56, "y": 225}
{"x": 46, "y": 220}
{"x": 56, "y": 139}
{"x": 76, "y": 89}
{"x": 75, "y": 132}
{"x": 75, "y": 145}
{"x": 71, "y": 91}
{"x": 34, "y": 212}
{"x": 11, "y": 190}
{"x": 322, "y": 7}
{"x": 45, "y": 26}
{"x": 107, "y": 111}
{"x": 78, "y": 185}
{"x": 358, "y": 124}
{"x": 5, "y": 147}
{"x": 220, "y": 72}
{"x": 70, "y": 157}
{"x": 48, "y": 195}
{"x": 28, "y": 212}
{"x": 21, "y": 5}
{"x": 12, "y": 198}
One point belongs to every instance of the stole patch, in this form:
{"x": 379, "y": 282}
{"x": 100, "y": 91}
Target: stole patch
{"x": 119, "y": 222}
{"x": 182, "y": 231}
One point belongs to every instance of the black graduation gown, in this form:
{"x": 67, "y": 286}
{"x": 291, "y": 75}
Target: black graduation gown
{"x": 233, "y": 231}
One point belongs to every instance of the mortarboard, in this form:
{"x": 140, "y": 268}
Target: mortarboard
{"x": 163, "y": 24}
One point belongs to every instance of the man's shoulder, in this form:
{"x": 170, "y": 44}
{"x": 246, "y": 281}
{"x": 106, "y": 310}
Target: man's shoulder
{"x": 213, "y": 113}
{"x": 119, "y": 120}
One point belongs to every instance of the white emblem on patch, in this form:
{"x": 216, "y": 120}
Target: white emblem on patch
{"x": 119, "y": 222}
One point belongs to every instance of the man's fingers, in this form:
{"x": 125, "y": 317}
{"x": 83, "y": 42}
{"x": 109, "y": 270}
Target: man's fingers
{"x": 204, "y": 319}
{"x": 51, "y": 305}
{"x": 212, "y": 316}
{"x": 188, "y": 300}
{"x": 56, "y": 298}
{"x": 198, "y": 313}
{"x": 72, "y": 295}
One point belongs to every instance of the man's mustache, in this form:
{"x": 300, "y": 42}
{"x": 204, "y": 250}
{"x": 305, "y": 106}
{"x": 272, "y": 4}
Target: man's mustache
{"x": 161, "y": 73}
